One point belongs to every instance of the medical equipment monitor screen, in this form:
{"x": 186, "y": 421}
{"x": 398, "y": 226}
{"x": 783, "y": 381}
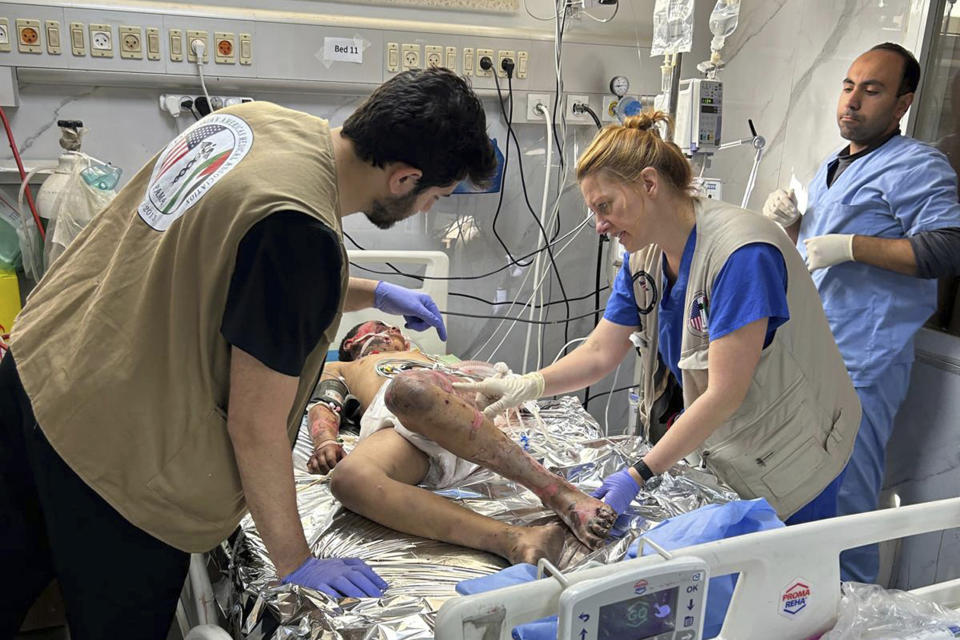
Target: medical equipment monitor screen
{"x": 640, "y": 618}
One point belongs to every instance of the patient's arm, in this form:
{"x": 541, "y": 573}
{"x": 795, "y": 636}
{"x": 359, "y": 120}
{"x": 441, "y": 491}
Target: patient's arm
{"x": 324, "y": 425}
{"x": 425, "y": 402}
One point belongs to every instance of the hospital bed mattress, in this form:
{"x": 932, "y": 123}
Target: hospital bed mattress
{"x": 423, "y": 573}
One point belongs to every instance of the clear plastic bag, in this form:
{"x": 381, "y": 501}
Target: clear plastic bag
{"x": 870, "y": 612}
{"x": 74, "y": 207}
{"x": 672, "y": 27}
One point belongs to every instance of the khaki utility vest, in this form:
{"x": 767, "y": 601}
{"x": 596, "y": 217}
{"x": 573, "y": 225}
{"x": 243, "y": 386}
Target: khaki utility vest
{"x": 796, "y": 428}
{"x": 119, "y": 346}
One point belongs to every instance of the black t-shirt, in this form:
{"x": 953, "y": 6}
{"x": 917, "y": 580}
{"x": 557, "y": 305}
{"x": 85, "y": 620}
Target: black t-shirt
{"x": 284, "y": 290}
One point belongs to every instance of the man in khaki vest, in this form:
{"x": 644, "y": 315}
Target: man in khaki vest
{"x": 159, "y": 372}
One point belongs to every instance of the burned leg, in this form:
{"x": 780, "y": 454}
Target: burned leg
{"x": 425, "y": 402}
{"x": 376, "y": 480}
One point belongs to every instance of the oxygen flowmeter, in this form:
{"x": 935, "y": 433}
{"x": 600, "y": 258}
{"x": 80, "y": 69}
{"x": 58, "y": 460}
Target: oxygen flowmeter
{"x": 665, "y": 602}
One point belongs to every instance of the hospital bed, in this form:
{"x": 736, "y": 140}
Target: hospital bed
{"x": 423, "y": 573}
{"x": 788, "y": 585}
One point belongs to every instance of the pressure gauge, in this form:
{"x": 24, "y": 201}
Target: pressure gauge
{"x": 619, "y": 86}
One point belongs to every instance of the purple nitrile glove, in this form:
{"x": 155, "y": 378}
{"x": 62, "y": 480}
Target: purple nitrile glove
{"x": 618, "y": 490}
{"x": 337, "y": 577}
{"x": 419, "y": 309}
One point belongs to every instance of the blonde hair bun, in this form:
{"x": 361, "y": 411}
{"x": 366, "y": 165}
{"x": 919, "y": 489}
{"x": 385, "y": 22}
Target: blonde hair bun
{"x": 646, "y": 120}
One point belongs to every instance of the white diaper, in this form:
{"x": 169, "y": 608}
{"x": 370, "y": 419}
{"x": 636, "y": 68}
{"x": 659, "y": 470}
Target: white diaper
{"x": 446, "y": 469}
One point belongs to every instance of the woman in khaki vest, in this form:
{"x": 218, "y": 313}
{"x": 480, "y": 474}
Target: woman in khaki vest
{"x": 717, "y": 299}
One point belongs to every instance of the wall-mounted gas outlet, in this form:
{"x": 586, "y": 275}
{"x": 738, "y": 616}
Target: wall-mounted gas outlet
{"x": 609, "y": 111}
{"x": 534, "y": 99}
{"x": 577, "y": 117}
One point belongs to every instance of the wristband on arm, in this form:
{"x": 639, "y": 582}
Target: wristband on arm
{"x": 645, "y": 472}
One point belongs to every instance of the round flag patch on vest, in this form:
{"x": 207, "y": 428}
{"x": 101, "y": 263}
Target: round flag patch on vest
{"x": 698, "y": 315}
{"x": 191, "y": 164}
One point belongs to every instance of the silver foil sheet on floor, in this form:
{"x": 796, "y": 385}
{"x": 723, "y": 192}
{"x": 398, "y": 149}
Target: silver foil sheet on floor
{"x": 422, "y": 573}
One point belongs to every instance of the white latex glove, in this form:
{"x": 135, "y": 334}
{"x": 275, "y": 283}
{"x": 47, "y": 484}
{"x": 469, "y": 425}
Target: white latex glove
{"x": 781, "y": 207}
{"x": 512, "y": 390}
{"x": 826, "y": 251}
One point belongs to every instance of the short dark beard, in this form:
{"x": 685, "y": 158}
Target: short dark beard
{"x": 386, "y": 213}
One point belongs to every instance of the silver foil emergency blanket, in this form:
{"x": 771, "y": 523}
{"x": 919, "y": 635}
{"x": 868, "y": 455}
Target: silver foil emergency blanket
{"x": 422, "y": 573}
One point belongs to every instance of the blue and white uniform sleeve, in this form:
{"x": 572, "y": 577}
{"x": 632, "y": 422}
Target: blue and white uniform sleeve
{"x": 750, "y": 286}
{"x": 622, "y": 303}
{"x": 925, "y": 197}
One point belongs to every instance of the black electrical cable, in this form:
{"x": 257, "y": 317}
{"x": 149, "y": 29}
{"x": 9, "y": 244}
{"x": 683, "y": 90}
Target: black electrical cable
{"x": 508, "y": 120}
{"x": 606, "y": 393}
{"x": 546, "y": 239}
{"x": 593, "y": 114}
{"x": 519, "y": 319}
{"x": 601, "y": 238}
{"x": 596, "y": 317}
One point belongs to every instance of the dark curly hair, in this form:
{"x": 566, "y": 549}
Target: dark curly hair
{"x": 429, "y": 119}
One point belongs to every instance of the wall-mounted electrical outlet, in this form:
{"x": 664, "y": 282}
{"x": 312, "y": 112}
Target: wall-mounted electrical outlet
{"x": 577, "y": 117}
{"x": 534, "y": 99}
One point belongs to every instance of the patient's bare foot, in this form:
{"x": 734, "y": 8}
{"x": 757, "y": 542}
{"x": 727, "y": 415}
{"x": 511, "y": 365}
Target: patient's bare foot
{"x": 589, "y": 519}
{"x": 529, "y": 544}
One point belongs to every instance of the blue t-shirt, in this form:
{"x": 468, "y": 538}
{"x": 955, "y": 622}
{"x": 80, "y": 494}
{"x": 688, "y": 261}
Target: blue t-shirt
{"x": 750, "y": 286}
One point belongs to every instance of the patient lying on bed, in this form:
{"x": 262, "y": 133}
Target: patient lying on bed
{"x": 417, "y": 430}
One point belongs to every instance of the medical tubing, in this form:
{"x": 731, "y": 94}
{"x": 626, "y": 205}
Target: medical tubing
{"x": 23, "y": 174}
{"x": 538, "y": 220}
{"x": 476, "y": 277}
{"x": 529, "y": 300}
{"x": 590, "y": 112}
{"x": 616, "y": 9}
{"x": 468, "y": 296}
{"x": 606, "y": 410}
{"x": 596, "y": 317}
{"x": 543, "y": 209}
{"x": 564, "y": 347}
{"x": 545, "y": 323}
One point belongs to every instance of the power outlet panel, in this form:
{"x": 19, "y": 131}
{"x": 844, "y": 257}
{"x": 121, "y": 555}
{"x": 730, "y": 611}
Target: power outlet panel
{"x": 246, "y": 48}
{"x": 572, "y": 116}
{"x": 393, "y": 57}
{"x": 468, "y": 60}
{"x": 28, "y": 36}
{"x": 534, "y": 99}
{"x": 522, "y": 59}
{"x": 451, "y": 59}
{"x": 224, "y": 48}
{"x": 131, "y": 42}
{"x": 153, "y": 43}
{"x": 481, "y": 54}
{"x": 4, "y": 35}
{"x": 410, "y": 56}
{"x": 433, "y": 55}
{"x": 505, "y": 55}
{"x": 176, "y": 45}
{"x": 77, "y": 39}
{"x": 52, "y": 27}
{"x": 101, "y": 40}
{"x": 203, "y": 36}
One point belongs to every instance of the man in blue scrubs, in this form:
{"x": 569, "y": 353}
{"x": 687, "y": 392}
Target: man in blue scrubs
{"x": 881, "y": 225}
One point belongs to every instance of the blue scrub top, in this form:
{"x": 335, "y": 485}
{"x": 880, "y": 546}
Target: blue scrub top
{"x": 898, "y": 190}
{"x": 750, "y": 286}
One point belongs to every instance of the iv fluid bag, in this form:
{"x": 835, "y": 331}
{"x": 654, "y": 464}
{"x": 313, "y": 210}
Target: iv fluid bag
{"x": 723, "y": 21}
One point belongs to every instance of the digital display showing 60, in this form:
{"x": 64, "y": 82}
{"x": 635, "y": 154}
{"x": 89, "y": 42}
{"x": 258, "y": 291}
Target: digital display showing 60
{"x": 640, "y": 618}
